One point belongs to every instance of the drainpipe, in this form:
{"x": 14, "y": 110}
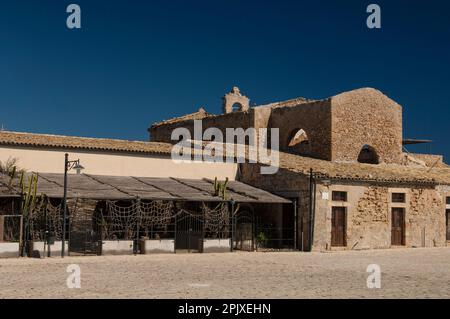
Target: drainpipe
{"x": 311, "y": 208}
{"x": 295, "y": 224}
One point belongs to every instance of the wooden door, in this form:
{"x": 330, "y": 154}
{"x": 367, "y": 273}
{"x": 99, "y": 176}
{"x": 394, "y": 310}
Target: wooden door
{"x": 447, "y": 223}
{"x": 338, "y": 227}
{"x": 398, "y": 227}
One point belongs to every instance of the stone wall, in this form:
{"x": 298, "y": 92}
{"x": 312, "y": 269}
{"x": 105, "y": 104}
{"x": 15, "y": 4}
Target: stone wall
{"x": 368, "y": 210}
{"x": 314, "y": 118}
{"x": 243, "y": 120}
{"x": 366, "y": 117}
{"x": 430, "y": 160}
{"x": 425, "y": 218}
{"x": 337, "y": 128}
{"x": 288, "y": 185}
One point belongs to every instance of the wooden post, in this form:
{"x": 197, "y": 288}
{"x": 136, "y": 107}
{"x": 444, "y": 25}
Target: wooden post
{"x": 2, "y": 224}
{"x": 21, "y": 231}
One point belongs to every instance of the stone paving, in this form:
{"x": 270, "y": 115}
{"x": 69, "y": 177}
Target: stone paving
{"x": 406, "y": 273}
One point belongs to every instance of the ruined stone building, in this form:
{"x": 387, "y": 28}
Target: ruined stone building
{"x": 344, "y": 181}
{"x": 344, "y": 163}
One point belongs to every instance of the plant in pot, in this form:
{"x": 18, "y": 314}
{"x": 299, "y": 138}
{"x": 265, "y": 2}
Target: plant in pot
{"x": 261, "y": 240}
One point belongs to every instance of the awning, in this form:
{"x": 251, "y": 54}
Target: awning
{"x": 102, "y": 187}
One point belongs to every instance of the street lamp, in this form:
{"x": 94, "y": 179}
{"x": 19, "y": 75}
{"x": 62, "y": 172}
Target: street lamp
{"x": 68, "y": 165}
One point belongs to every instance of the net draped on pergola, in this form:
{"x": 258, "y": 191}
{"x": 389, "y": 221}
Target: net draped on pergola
{"x": 126, "y": 220}
{"x": 45, "y": 220}
{"x": 132, "y": 207}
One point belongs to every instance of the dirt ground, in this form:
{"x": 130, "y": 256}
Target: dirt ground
{"x": 406, "y": 273}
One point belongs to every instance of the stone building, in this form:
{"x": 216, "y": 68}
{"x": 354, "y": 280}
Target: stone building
{"x": 344, "y": 163}
{"x": 344, "y": 181}
{"x": 127, "y": 191}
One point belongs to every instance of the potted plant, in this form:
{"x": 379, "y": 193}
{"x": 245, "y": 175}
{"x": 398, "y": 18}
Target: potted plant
{"x": 261, "y": 240}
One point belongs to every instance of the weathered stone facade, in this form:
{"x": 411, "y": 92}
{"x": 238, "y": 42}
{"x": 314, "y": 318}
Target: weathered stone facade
{"x": 365, "y": 117}
{"x": 337, "y": 128}
{"x": 333, "y": 135}
{"x": 368, "y": 210}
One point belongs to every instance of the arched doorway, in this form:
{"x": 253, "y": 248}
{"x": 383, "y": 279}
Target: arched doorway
{"x": 189, "y": 231}
{"x": 244, "y": 230}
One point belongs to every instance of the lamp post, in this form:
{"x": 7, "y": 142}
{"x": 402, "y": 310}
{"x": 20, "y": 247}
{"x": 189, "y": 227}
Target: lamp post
{"x": 68, "y": 165}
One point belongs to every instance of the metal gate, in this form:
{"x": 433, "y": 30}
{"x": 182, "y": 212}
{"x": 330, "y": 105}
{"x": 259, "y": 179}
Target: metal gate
{"x": 189, "y": 232}
{"x": 83, "y": 239}
{"x": 244, "y": 231}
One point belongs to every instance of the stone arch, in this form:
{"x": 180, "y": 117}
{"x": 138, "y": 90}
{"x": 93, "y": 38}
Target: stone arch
{"x": 298, "y": 142}
{"x": 234, "y": 97}
{"x": 368, "y": 155}
{"x": 237, "y": 107}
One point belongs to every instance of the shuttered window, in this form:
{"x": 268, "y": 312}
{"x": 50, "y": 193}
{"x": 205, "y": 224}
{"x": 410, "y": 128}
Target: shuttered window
{"x": 339, "y": 196}
{"x": 398, "y": 197}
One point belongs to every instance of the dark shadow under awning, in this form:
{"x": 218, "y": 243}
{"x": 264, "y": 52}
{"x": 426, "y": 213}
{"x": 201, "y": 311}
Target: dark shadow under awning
{"x": 151, "y": 188}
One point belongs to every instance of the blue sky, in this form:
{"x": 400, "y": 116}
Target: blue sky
{"x": 137, "y": 62}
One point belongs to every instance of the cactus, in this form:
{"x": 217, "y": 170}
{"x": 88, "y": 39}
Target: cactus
{"x": 220, "y": 189}
{"x": 216, "y": 187}
{"x": 29, "y": 193}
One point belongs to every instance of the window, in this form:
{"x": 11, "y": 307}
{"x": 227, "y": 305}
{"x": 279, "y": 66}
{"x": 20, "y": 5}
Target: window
{"x": 236, "y": 107}
{"x": 339, "y": 196}
{"x": 368, "y": 155}
{"x": 448, "y": 200}
{"x": 297, "y": 137}
{"x": 398, "y": 198}
{"x": 298, "y": 142}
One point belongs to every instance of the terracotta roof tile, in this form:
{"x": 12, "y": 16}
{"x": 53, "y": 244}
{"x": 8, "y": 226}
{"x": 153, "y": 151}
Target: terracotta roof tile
{"x": 86, "y": 143}
{"x": 295, "y": 163}
{"x": 200, "y": 114}
{"x": 366, "y": 172}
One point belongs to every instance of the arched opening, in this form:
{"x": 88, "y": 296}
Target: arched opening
{"x": 244, "y": 236}
{"x": 236, "y": 107}
{"x": 368, "y": 155}
{"x": 298, "y": 142}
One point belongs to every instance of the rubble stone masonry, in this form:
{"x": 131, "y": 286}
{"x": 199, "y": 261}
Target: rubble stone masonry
{"x": 368, "y": 210}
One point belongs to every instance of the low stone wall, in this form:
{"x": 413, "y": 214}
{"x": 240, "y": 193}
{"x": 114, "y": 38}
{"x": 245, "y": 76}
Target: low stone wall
{"x": 430, "y": 160}
{"x": 117, "y": 247}
{"x": 163, "y": 246}
{"x": 40, "y": 249}
{"x": 9, "y": 250}
{"x": 216, "y": 245}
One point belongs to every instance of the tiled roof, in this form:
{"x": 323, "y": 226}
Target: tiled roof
{"x": 366, "y": 172}
{"x": 86, "y": 143}
{"x": 200, "y": 114}
{"x": 295, "y": 163}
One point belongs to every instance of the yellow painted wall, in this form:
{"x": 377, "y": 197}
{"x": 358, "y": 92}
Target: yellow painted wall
{"x": 115, "y": 163}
